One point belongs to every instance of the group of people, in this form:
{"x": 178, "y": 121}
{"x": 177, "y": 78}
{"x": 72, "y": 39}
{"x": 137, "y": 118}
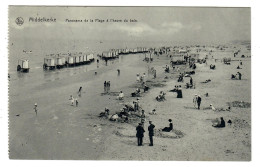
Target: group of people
{"x": 197, "y": 101}
{"x": 140, "y": 78}
{"x": 178, "y": 90}
{"x": 237, "y": 76}
{"x": 140, "y": 131}
{"x": 136, "y": 93}
{"x": 106, "y": 86}
{"x": 161, "y": 96}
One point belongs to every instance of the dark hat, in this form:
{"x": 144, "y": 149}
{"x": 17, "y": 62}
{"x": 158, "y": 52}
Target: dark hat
{"x": 170, "y": 120}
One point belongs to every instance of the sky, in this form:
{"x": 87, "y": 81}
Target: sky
{"x": 174, "y": 24}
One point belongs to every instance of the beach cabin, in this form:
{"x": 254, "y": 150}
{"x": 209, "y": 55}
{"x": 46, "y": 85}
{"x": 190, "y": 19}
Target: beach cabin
{"x": 70, "y": 61}
{"x": 60, "y": 62}
{"x": 23, "y": 65}
{"x": 49, "y": 63}
{"x": 81, "y": 59}
{"x": 85, "y": 59}
{"x": 77, "y": 59}
{"x": 90, "y": 57}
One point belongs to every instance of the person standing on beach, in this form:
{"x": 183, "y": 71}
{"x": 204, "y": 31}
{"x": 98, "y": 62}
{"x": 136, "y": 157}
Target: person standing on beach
{"x": 105, "y": 86}
{"x": 79, "y": 92}
{"x": 154, "y": 74}
{"x": 191, "y": 81}
{"x": 239, "y": 75}
{"x": 140, "y": 134}
{"x": 35, "y": 108}
{"x": 198, "y": 101}
{"x": 151, "y": 132}
{"x": 179, "y": 92}
{"x": 195, "y": 99}
{"x": 108, "y": 85}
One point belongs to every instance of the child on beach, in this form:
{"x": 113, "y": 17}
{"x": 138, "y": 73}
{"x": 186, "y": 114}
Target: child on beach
{"x": 35, "y": 108}
{"x": 71, "y": 100}
{"x": 120, "y": 96}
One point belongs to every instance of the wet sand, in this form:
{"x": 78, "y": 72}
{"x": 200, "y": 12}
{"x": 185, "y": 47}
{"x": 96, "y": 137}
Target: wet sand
{"x": 61, "y": 131}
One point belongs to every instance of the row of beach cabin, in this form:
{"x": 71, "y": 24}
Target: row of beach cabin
{"x": 67, "y": 61}
{"x": 114, "y": 53}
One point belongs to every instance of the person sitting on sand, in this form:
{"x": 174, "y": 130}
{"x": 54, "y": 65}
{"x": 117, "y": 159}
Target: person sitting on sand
{"x": 136, "y": 93}
{"x": 238, "y": 67}
{"x": 153, "y": 112}
{"x": 212, "y": 66}
{"x": 120, "y": 96}
{"x": 123, "y": 112}
{"x": 161, "y": 96}
{"x": 212, "y": 107}
{"x": 222, "y": 123}
{"x": 145, "y": 88}
{"x": 129, "y": 107}
{"x": 233, "y": 76}
{"x": 168, "y": 129}
{"x": 105, "y": 113}
{"x": 114, "y": 117}
{"x": 142, "y": 115}
{"x": 167, "y": 69}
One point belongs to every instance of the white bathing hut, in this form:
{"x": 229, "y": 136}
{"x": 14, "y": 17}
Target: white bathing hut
{"x": 49, "y": 63}
{"x": 23, "y": 65}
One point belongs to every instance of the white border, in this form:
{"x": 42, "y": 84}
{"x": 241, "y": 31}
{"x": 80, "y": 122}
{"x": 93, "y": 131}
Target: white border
{"x": 4, "y": 160}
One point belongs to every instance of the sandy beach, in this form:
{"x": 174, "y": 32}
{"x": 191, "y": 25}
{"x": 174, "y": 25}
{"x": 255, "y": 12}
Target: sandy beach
{"x": 62, "y": 131}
